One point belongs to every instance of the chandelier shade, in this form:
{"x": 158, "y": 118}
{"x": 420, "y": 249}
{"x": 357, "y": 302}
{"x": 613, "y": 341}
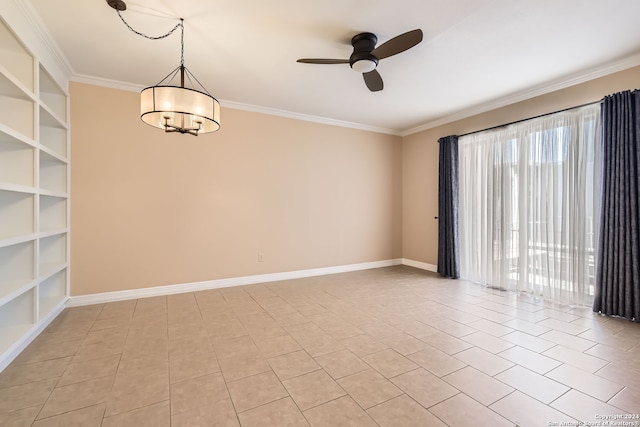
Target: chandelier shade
{"x": 179, "y": 109}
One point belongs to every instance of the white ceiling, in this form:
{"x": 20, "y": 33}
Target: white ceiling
{"x": 476, "y": 54}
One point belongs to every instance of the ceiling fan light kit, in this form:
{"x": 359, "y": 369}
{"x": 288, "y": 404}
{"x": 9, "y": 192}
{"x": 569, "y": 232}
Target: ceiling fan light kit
{"x": 364, "y": 65}
{"x": 176, "y": 108}
{"x": 366, "y": 55}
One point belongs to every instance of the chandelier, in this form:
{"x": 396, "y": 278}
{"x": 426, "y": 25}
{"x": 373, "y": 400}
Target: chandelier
{"x": 187, "y": 110}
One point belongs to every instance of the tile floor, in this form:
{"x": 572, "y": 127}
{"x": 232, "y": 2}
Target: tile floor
{"x": 385, "y": 347}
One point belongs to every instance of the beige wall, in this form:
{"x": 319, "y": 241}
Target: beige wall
{"x": 420, "y": 155}
{"x": 151, "y": 209}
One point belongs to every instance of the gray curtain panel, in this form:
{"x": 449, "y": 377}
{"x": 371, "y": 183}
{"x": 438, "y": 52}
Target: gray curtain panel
{"x": 448, "y": 236}
{"x": 618, "y": 254}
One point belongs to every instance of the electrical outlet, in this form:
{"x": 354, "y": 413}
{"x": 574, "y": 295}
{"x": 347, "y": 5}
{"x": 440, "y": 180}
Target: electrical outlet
{"x": 260, "y": 257}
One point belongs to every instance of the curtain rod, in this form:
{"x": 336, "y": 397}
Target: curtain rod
{"x": 531, "y": 118}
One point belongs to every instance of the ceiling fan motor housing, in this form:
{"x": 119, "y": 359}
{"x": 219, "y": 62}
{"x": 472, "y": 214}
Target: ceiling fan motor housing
{"x": 361, "y": 59}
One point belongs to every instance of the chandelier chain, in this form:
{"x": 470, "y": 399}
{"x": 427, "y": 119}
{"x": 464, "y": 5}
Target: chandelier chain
{"x": 178, "y": 25}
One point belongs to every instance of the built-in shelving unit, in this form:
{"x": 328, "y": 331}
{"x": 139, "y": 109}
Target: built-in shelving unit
{"x": 34, "y": 195}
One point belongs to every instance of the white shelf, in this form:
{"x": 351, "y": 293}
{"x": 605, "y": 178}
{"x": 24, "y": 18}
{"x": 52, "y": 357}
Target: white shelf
{"x": 11, "y": 87}
{"x": 17, "y": 239}
{"x": 52, "y": 156}
{"x": 54, "y": 141}
{"x": 16, "y": 162}
{"x": 17, "y": 213}
{"x": 51, "y": 292}
{"x": 52, "y": 232}
{"x": 16, "y": 267}
{"x": 17, "y": 188}
{"x": 15, "y": 289}
{"x": 17, "y": 107}
{"x": 53, "y": 173}
{"x": 53, "y": 97}
{"x": 50, "y": 118}
{"x": 10, "y": 135}
{"x": 16, "y": 59}
{"x": 53, "y": 213}
{"x": 48, "y": 269}
{"x": 17, "y": 317}
{"x": 52, "y": 254}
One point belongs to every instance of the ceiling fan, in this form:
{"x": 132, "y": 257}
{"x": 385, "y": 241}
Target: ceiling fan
{"x": 366, "y": 55}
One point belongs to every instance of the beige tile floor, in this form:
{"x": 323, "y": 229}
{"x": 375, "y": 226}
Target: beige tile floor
{"x": 389, "y": 347}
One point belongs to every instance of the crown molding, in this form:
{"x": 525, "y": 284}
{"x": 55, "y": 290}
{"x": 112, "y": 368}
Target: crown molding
{"x": 552, "y": 86}
{"x": 307, "y": 117}
{"x": 109, "y": 83}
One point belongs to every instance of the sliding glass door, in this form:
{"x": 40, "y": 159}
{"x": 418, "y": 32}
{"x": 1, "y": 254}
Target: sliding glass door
{"x": 528, "y": 205}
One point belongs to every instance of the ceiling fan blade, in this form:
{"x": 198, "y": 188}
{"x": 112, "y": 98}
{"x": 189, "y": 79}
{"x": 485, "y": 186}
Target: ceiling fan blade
{"x": 398, "y": 44}
{"x": 373, "y": 80}
{"x": 322, "y": 61}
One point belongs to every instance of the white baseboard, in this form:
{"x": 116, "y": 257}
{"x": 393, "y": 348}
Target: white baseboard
{"x": 105, "y": 297}
{"x": 420, "y": 265}
{"x": 12, "y": 352}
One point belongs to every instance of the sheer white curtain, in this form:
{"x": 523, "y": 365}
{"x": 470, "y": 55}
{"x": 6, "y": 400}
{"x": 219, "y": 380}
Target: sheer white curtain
{"x": 528, "y": 202}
